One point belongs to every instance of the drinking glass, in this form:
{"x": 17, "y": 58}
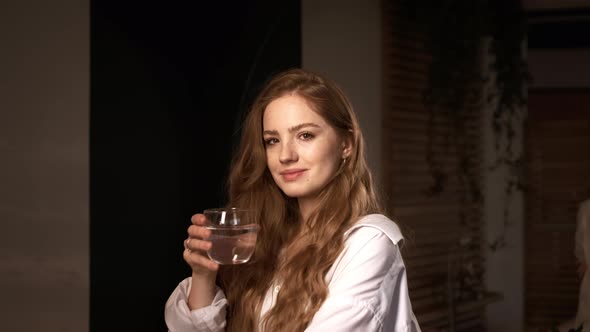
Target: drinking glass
{"x": 233, "y": 235}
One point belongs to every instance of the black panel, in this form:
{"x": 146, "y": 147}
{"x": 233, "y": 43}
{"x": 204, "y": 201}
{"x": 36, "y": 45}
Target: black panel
{"x": 168, "y": 83}
{"x": 559, "y": 28}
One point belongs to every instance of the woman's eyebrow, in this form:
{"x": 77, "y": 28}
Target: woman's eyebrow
{"x": 292, "y": 129}
{"x": 303, "y": 125}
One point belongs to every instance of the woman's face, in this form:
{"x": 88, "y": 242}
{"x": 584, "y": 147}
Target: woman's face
{"x": 303, "y": 152}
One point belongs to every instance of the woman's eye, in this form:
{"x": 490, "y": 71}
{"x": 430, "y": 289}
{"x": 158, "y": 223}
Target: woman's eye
{"x": 270, "y": 141}
{"x": 306, "y": 136}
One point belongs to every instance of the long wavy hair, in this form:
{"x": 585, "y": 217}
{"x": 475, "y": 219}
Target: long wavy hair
{"x": 297, "y": 254}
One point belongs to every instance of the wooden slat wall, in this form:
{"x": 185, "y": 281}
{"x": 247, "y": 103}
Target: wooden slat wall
{"x": 558, "y": 173}
{"x": 431, "y": 224}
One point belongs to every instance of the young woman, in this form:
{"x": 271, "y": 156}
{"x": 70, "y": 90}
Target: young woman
{"x": 326, "y": 259}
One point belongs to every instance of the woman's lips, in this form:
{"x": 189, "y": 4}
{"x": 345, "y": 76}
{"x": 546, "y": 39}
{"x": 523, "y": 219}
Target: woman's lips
{"x": 292, "y": 175}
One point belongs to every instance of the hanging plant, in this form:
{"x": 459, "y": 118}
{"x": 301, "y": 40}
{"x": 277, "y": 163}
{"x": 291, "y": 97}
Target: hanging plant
{"x": 456, "y": 32}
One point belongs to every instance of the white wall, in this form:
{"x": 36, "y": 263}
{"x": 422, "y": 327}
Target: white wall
{"x": 504, "y": 266}
{"x": 44, "y": 114}
{"x": 342, "y": 39}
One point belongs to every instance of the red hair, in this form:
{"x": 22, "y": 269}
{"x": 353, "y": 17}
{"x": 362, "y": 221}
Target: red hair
{"x": 308, "y": 249}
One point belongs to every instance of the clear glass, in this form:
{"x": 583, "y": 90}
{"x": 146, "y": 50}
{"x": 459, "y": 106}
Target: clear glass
{"x": 233, "y": 235}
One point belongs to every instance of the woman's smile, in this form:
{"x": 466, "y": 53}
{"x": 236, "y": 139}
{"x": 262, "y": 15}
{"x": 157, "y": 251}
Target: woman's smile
{"x": 290, "y": 175}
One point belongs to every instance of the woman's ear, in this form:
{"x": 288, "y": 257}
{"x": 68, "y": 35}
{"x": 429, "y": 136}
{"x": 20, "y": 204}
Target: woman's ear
{"x": 347, "y": 146}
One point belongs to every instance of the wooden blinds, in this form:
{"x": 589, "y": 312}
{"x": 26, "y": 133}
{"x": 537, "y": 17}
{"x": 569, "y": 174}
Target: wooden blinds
{"x": 443, "y": 251}
{"x": 558, "y": 173}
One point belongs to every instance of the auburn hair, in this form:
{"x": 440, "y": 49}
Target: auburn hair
{"x": 297, "y": 254}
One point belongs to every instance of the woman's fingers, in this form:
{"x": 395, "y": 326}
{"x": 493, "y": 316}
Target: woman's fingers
{"x": 198, "y": 219}
{"x": 198, "y": 232}
{"x": 192, "y": 244}
{"x": 199, "y": 262}
{"x": 196, "y": 246}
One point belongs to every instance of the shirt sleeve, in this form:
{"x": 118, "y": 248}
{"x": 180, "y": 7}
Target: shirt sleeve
{"x": 179, "y": 318}
{"x": 368, "y": 289}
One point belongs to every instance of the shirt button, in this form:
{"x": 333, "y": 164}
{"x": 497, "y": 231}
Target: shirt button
{"x": 277, "y": 289}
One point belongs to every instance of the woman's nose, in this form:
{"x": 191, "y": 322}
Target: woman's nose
{"x": 288, "y": 153}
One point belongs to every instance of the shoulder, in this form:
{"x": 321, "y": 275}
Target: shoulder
{"x": 373, "y": 225}
{"x": 370, "y": 248}
{"x": 370, "y": 262}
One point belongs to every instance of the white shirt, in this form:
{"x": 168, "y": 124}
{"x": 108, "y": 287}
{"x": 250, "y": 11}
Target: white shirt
{"x": 367, "y": 284}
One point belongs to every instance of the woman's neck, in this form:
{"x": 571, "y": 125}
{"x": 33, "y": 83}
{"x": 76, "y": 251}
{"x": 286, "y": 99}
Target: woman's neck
{"x": 306, "y": 206}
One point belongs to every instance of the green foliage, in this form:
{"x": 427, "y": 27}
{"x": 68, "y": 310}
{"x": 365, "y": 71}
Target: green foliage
{"x": 455, "y": 34}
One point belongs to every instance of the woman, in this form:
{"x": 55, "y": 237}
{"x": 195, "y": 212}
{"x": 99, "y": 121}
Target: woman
{"x": 326, "y": 258}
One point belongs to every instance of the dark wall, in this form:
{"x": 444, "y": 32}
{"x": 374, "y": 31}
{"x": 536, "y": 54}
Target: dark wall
{"x": 169, "y": 83}
{"x": 559, "y": 29}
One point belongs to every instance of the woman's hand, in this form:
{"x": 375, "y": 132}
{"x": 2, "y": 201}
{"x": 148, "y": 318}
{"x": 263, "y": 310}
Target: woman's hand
{"x": 196, "y": 246}
{"x": 204, "y": 270}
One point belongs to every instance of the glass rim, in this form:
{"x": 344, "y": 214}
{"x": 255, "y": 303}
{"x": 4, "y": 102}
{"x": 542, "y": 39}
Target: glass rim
{"x": 229, "y": 209}
{"x": 229, "y": 217}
